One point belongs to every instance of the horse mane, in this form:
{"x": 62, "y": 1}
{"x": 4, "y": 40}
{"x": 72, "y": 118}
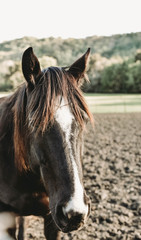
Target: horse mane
{"x": 39, "y": 111}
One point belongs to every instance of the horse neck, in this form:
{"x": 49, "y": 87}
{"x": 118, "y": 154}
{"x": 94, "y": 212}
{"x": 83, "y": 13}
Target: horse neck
{"x": 6, "y": 117}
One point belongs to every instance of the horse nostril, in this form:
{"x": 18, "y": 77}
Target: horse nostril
{"x": 65, "y": 217}
{"x": 72, "y": 216}
{"x": 78, "y": 217}
{"x": 62, "y": 217}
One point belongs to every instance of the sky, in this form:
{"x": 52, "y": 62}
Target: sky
{"x": 68, "y": 18}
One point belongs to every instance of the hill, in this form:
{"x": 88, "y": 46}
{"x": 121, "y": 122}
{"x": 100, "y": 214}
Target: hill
{"x": 105, "y": 51}
{"x": 64, "y": 50}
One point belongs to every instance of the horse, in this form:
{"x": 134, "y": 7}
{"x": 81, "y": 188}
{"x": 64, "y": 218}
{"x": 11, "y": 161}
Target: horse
{"x": 41, "y": 146}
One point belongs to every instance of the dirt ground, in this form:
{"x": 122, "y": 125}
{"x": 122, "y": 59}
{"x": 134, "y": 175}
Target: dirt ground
{"x": 112, "y": 178}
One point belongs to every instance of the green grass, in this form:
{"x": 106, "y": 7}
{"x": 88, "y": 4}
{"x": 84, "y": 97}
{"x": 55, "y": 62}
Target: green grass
{"x": 111, "y": 103}
{"x": 114, "y": 103}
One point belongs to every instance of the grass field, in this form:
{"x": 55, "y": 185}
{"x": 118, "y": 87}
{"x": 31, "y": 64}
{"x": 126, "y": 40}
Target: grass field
{"x": 114, "y": 103}
{"x": 111, "y": 103}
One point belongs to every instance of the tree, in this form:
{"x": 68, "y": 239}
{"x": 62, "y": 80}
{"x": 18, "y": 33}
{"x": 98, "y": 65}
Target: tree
{"x": 114, "y": 78}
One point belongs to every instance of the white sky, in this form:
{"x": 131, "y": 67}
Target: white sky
{"x": 68, "y": 18}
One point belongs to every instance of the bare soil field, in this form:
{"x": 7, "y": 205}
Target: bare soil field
{"x": 112, "y": 178}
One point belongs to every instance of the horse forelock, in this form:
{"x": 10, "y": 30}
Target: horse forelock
{"x": 54, "y": 83}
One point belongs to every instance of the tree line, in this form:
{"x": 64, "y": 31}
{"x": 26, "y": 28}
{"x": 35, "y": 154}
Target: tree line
{"x": 124, "y": 77}
{"x": 114, "y": 66}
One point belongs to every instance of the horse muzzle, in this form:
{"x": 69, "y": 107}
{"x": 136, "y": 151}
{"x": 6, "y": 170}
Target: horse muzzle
{"x": 72, "y": 220}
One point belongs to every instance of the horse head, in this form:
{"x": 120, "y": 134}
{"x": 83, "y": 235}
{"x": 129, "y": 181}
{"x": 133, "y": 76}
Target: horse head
{"x": 55, "y": 117}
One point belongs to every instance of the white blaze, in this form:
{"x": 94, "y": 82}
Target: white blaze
{"x": 64, "y": 117}
{"x": 7, "y": 220}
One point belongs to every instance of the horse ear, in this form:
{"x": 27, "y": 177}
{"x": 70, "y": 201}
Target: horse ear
{"x": 78, "y": 68}
{"x": 30, "y": 67}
